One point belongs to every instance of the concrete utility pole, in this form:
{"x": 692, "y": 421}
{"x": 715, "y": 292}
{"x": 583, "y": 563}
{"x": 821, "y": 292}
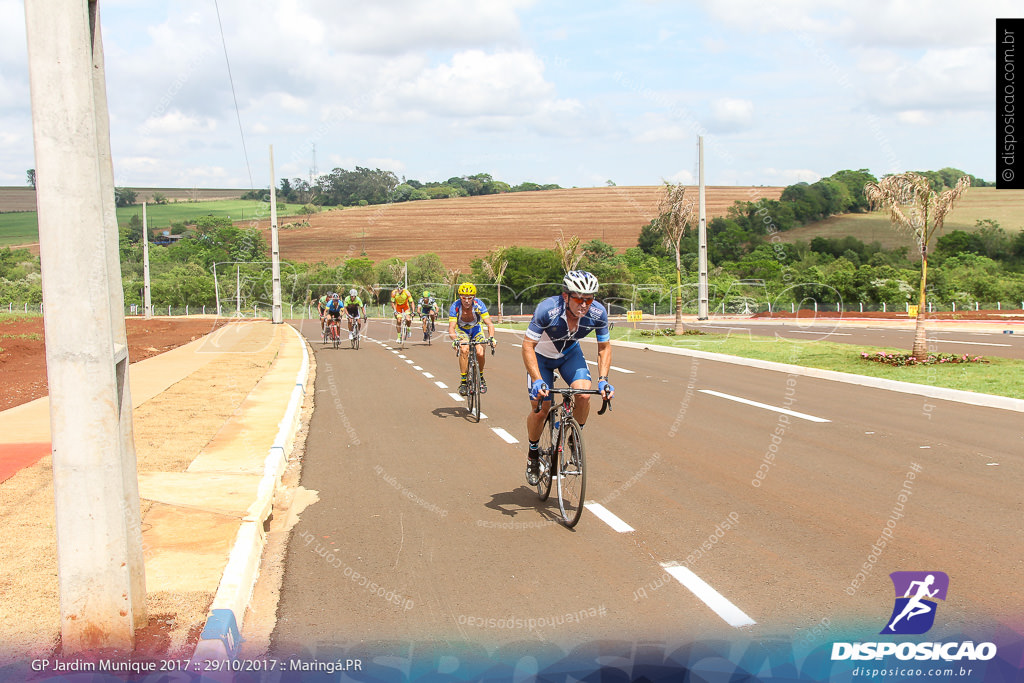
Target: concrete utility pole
{"x": 147, "y": 302}
{"x": 702, "y": 240}
{"x": 101, "y": 575}
{"x": 275, "y": 249}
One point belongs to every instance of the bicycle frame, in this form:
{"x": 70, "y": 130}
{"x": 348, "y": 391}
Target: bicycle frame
{"x": 556, "y": 463}
{"x": 473, "y": 375}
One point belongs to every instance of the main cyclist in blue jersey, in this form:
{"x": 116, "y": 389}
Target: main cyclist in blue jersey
{"x": 552, "y": 342}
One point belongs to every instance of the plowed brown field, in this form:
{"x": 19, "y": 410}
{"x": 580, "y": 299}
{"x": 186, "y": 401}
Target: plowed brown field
{"x": 461, "y": 229}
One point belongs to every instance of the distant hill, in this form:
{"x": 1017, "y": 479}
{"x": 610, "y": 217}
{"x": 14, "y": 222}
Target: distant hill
{"x": 1006, "y": 207}
{"x": 463, "y": 228}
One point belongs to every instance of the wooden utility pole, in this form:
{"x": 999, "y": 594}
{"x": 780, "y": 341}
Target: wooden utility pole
{"x": 100, "y": 570}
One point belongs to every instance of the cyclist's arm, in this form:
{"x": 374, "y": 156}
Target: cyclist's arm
{"x": 530, "y": 359}
{"x": 490, "y": 326}
{"x": 604, "y": 360}
{"x": 451, "y": 328}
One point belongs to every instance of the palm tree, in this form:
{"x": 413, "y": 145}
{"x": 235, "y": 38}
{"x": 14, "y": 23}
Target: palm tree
{"x": 916, "y": 208}
{"x": 568, "y": 251}
{"x": 494, "y": 265}
{"x": 675, "y": 217}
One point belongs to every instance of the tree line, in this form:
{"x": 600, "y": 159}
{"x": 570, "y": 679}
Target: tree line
{"x": 364, "y": 186}
{"x": 985, "y": 264}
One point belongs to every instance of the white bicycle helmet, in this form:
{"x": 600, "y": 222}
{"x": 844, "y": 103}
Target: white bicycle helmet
{"x": 352, "y": 293}
{"x": 579, "y": 282}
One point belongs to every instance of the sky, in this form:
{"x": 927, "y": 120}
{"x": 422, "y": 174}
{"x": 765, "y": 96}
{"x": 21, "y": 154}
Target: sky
{"x": 573, "y": 93}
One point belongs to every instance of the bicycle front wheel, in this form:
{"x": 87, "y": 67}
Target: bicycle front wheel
{"x": 572, "y": 475}
{"x": 474, "y": 389}
{"x": 548, "y": 438}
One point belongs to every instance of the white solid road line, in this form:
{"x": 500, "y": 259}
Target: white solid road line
{"x": 606, "y": 516}
{"x": 732, "y": 614}
{"x": 786, "y": 411}
{"x": 822, "y": 333}
{"x": 506, "y": 437}
{"x": 957, "y": 341}
{"x": 615, "y": 368}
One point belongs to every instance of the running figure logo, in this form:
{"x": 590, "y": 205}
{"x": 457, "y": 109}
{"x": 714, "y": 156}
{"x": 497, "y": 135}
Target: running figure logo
{"x": 914, "y": 611}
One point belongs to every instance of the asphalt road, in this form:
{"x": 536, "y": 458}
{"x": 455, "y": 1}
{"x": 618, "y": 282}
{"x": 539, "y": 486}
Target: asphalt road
{"x": 426, "y": 532}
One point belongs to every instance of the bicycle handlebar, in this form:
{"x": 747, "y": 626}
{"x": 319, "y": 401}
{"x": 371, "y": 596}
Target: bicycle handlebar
{"x": 476, "y": 343}
{"x": 606, "y": 403}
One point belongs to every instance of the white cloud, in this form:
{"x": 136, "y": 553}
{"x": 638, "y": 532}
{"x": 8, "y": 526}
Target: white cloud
{"x": 941, "y": 79}
{"x": 475, "y": 83}
{"x": 914, "y": 117}
{"x": 685, "y": 177}
{"x": 175, "y": 123}
{"x": 789, "y": 176}
{"x": 730, "y": 115}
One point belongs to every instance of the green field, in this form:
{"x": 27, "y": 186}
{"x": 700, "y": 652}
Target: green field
{"x": 1006, "y": 207}
{"x": 22, "y": 227}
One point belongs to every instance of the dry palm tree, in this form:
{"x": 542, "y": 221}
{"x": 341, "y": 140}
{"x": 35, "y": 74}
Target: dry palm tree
{"x": 916, "y": 208}
{"x": 675, "y": 217}
{"x": 568, "y": 251}
{"x": 451, "y": 280}
{"x": 494, "y": 265}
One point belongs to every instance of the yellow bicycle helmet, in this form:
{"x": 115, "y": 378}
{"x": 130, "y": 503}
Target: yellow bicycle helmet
{"x": 467, "y": 289}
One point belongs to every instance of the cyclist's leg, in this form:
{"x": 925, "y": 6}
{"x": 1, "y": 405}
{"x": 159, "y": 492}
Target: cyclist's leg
{"x": 576, "y": 374}
{"x": 535, "y": 421}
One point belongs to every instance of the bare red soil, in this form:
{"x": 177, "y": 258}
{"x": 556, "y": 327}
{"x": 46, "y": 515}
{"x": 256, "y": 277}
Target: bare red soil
{"x": 23, "y": 352}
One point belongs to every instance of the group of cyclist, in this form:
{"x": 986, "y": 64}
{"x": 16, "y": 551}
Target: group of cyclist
{"x": 330, "y": 306}
{"x": 551, "y": 343}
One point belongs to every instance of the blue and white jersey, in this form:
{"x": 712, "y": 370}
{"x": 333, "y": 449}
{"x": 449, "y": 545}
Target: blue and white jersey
{"x": 550, "y": 329}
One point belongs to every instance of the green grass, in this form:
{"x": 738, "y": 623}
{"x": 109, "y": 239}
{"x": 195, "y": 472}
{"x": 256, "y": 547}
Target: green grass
{"x": 18, "y": 228}
{"x": 999, "y": 377}
{"x": 23, "y": 227}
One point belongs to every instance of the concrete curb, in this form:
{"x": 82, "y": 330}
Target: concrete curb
{"x": 221, "y": 635}
{"x": 925, "y": 390}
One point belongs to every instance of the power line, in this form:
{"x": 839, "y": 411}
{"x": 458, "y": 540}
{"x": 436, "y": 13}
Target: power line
{"x": 231, "y": 80}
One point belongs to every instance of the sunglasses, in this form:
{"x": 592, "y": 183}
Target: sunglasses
{"x": 586, "y": 300}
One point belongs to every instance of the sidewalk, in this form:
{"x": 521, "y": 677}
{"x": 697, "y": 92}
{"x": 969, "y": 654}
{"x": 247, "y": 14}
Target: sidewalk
{"x": 214, "y": 422}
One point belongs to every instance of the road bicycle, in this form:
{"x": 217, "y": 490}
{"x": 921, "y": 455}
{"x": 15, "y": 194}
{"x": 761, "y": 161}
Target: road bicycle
{"x": 334, "y": 329}
{"x": 428, "y": 328}
{"x": 562, "y": 455}
{"x": 406, "y": 330}
{"x": 473, "y": 376}
{"x": 357, "y": 327}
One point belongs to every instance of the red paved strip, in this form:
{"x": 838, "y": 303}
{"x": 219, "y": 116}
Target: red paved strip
{"x": 16, "y": 456}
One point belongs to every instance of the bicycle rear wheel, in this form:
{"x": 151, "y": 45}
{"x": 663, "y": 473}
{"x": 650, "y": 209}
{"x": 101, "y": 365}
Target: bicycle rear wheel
{"x": 548, "y": 437}
{"x": 572, "y": 475}
{"x": 473, "y": 379}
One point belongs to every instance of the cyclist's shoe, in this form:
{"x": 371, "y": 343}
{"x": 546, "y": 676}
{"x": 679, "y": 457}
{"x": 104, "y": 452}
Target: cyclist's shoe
{"x": 483, "y": 385}
{"x": 533, "y": 468}
{"x": 398, "y": 339}
{"x": 463, "y": 388}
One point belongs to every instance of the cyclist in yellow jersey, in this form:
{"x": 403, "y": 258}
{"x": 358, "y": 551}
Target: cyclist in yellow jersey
{"x": 401, "y": 303}
{"x": 464, "y": 318}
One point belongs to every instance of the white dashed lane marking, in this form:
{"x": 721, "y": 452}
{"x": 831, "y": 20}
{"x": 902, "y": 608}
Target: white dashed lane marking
{"x": 803, "y": 416}
{"x": 732, "y": 614}
{"x": 508, "y": 438}
{"x": 606, "y": 516}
